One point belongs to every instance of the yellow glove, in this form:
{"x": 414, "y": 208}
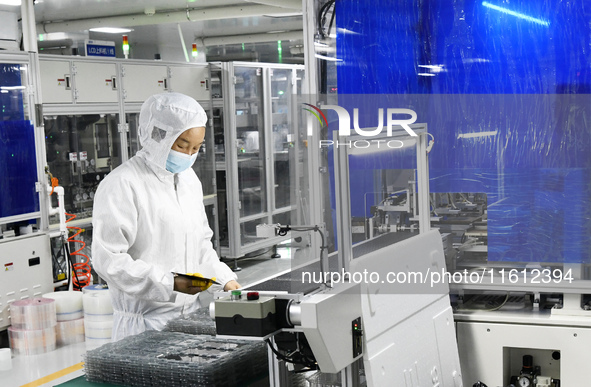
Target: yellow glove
{"x": 204, "y": 285}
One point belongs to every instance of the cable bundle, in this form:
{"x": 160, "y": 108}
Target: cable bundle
{"x": 81, "y": 270}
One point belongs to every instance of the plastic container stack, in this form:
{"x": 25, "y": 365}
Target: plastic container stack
{"x": 196, "y": 323}
{"x": 33, "y": 326}
{"x": 156, "y": 358}
{"x": 70, "y": 317}
{"x": 98, "y": 315}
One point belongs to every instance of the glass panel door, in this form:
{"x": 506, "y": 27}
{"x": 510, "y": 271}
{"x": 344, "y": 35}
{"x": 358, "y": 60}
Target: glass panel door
{"x": 250, "y": 133}
{"x": 81, "y": 151}
{"x": 282, "y": 137}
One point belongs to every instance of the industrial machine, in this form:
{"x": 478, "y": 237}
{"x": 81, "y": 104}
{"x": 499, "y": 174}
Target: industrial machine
{"x": 334, "y": 326}
{"x": 26, "y": 271}
{"x": 377, "y": 305}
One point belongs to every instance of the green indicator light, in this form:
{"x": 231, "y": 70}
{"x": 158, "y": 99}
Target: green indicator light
{"x": 13, "y": 155}
{"x": 41, "y": 37}
{"x": 281, "y": 92}
{"x": 243, "y": 47}
{"x": 280, "y": 51}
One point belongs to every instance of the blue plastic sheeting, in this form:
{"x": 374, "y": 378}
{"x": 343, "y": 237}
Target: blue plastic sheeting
{"x": 11, "y": 96}
{"x": 504, "y": 89}
{"x": 18, "y": 171}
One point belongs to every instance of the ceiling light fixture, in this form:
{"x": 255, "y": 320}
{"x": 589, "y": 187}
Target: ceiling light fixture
{"x": 110, "y": 30}
{"x": 10, "y": 2}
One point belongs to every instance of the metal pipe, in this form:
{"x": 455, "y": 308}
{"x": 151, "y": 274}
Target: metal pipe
{"x": 183, "y": 42}
{"x": 289, "y": 4}
{"x": 58, "y": 43}
{"x": 61, "y": 208}
{"x": 254, "y": 38}
{"x": 28, "y": 20}
{"x": 161, "y": 18}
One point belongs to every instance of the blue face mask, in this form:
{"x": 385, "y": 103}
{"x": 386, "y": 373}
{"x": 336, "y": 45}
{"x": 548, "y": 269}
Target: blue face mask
{"x": 178, "y": 162}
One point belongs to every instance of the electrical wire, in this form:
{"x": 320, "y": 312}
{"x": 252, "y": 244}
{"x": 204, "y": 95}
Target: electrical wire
{"x": 500, "y": 306}
{"x": 71, "y": 269}
{"x": 82, "y": 268}
{"x": 323, "y": 246}
{"x": 322, "y": 16}
{"x": 332, "y": 18}
{"x": 310, "y": 363}
{"x": 247, "y": 257}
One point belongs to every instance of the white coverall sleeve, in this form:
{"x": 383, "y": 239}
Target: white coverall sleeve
{"x": 210, "y": 258}
{"x": 115, "y": 228}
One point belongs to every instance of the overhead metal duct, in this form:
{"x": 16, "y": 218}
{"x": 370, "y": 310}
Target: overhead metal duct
{"x": 254, "y": 38}
{"x": 288, "y": 4}
{"x": 189, "y": 15}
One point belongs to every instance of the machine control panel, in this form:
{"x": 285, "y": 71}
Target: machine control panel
{"x": 245, "y": 314}
{"x": 357, "y": 337}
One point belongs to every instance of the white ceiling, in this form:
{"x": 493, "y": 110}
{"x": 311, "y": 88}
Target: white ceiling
{"x": 77, "y": 16}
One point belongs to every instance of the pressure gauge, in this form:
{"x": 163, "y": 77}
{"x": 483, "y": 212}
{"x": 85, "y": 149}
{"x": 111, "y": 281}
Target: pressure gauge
{"x": 524, "y": 382}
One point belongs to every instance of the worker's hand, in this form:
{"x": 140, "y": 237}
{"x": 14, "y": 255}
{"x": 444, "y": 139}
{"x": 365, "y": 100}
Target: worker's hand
{"x": 231, "y": 285}
{"x": 185, "y": 285}
{"x": 203, "y": 284}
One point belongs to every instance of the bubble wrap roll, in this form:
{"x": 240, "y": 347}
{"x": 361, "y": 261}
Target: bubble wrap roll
{"x": 68, "y": 305}
{"x": 32, "y": 342}
{"x": 70, "y": 332}
{"x": 33, "y": 314}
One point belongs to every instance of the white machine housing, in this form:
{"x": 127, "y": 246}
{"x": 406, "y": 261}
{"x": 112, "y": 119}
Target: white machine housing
{"x": 26, "y": 271}
{"x": 409, "y": 337}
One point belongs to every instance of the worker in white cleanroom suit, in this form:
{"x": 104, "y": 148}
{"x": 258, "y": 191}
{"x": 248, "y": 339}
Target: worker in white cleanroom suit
{"x": 149, "y": 221}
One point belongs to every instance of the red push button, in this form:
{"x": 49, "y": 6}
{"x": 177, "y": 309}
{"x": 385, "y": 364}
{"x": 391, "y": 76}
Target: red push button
{"x": 251, "y": 296}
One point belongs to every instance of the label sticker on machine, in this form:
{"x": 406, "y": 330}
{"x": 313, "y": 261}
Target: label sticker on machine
{"x": 83, "y": 155}
{"x": 73, "y": 156}
{"x": 99, "y": 48}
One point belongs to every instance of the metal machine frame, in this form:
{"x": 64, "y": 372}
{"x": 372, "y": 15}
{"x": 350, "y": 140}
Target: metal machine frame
{"x": 236, "y": 248}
